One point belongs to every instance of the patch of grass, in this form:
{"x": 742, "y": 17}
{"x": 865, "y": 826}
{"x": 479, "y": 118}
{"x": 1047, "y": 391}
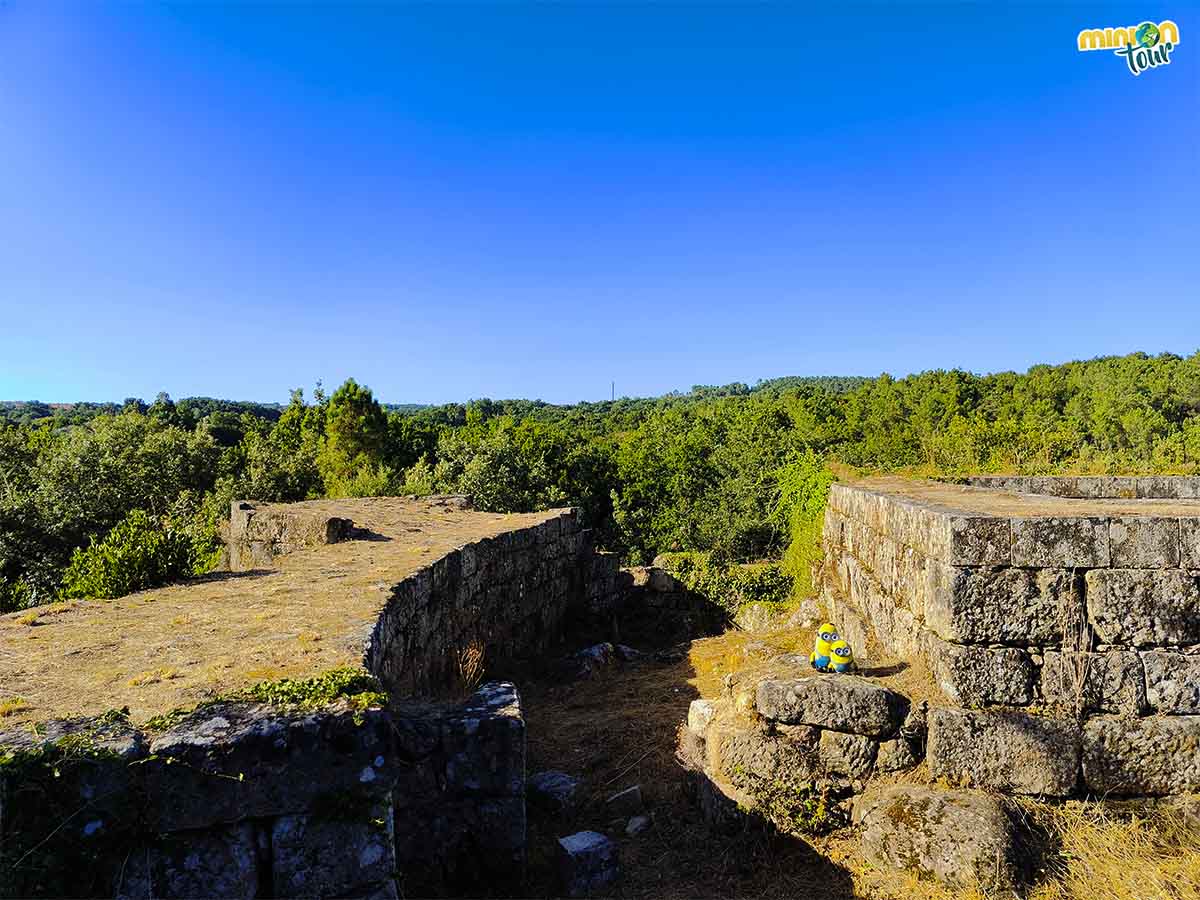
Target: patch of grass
{"x": 29, "y": 619}
{"x": 11, "y": 706}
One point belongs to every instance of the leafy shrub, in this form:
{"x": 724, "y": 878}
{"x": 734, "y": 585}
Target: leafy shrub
{"x": 726, "y": 584}
{"x": 137, "y": 554}
{"x": 803, "y": 491}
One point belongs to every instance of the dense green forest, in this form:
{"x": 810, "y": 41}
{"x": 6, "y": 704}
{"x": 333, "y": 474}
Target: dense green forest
{"x": 101, "y": 499}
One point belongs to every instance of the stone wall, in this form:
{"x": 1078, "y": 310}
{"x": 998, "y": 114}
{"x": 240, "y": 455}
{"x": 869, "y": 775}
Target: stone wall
{"x": 249, "y": 800}
{"x": 1079, "y": 618}
{"x": 1095, "y": 487}
{"x": 370, "y": 795}
{"x": 508, "y": 597}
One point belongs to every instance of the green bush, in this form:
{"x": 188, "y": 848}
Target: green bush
{"x": 137, "y": 554}
{"x": 803, "y": 491}
{"x": 726, "y": 584}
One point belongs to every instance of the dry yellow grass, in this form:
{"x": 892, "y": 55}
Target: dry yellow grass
{"x": 12, "y": 706}
{"x": 309, "y": 614}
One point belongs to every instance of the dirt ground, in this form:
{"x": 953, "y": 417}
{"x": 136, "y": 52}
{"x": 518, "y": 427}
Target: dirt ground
{"x": 620, "y": 729}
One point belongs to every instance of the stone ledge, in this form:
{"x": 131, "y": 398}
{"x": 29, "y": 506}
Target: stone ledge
{"x": 838, "y": 702}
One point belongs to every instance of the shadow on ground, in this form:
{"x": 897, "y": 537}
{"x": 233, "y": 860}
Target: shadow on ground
{"x": 620, "y": 729}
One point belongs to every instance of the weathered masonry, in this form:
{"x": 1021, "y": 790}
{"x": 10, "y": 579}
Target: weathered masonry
{"x": 288, "y": 728}
{"x": 1060, "y": 619}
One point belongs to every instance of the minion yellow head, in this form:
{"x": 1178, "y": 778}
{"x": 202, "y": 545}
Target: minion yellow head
{"x": 826, "y": 635}
{"x": 840, "y": 655}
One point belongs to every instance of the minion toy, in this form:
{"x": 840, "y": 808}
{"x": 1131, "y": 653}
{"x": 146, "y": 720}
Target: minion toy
{"x": 819, "y": 659}
{"x": 842, "y": 657}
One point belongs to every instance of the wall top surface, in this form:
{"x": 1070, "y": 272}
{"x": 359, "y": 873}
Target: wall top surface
{"x": 971, "y": 500}
{"x": 175, "y": 646}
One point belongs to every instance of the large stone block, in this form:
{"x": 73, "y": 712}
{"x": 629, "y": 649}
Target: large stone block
{"x": 1003, "y": 751}
{"x": 977, "y": 541}
{"x": 1144, "y": 542}
{"x": 1109, "y": 682}
{"x": 233, "y": 761}
{"x": 1054, "y": 542}
{"x": 971, "y": 675}
{"x": 1144, "y": 607}
{"x": 221, "y": 862}
{"x": 1189, "y": 542}
{"x": 1150, "y": 756}
{"x": 587, "y": 864}
{"x": 1172, "y": 682}
{"x": 999, "y": 604}
{"x": 785, "y": 755}
{"x": 484, "y": 744}
{"x": 838, "y": 702}
{"x": 346, "y": 850}
{"x": 964, "y": 839}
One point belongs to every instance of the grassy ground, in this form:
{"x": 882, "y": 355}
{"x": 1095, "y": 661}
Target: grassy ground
{"x": 620, "y": 729}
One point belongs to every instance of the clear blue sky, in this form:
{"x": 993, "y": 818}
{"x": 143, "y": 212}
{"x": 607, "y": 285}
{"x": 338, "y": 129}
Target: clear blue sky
{"x": 514, "y": 199}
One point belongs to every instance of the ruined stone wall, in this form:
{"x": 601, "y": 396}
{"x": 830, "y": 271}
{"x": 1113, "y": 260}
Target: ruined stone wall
{"x": 250, "y": 800}
{"x": 508, "y": 596}
{"x": 1090, "y": 618}
{"x": 368, "y": 796}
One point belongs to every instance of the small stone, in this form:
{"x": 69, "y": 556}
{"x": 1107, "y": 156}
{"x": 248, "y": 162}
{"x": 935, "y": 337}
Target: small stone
{"x": 627, "y": 654}
{"x": 626, "y": 802}
{"x": 963, "y": 839}
{"x": 896, "y": 755}
{"x": 637, "y": 825}
{"x": 554, "y": 791}
{"x": 587, "y": 863}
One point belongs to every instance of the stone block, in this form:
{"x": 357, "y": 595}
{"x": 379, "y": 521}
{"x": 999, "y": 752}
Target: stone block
{"x": 785, "y": 755}
{"x": 233, "y": 761}
{"x": 1003, "y": 751}
{"x": 971, "y": 675}
{"x": 852, "y": 755}
{"x": 345, "y": 851}
{"x": 837, "y": 702}
{"x": 553, "y": 791}
{"x": 221, "y": 862}
{"x": 1110, "y": 682}
{"x": 978, "y": 541}
{"x": 1172, "y": 682}
{"x": 1144, "y": 542}
{"x": 700, "y": 713}
{"x": 897, "y": 755}
{"x": 587, "y": 864}
{"x": 1144, "y": 607}
{"x": 1136, "y": 757}
{"x": 999, "y": 604}
{"x": 1054, "y": 542}
{"x": 484, "y": 744}
{"x": 964, "y": 839}
{"x": 1189, "y": 542}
